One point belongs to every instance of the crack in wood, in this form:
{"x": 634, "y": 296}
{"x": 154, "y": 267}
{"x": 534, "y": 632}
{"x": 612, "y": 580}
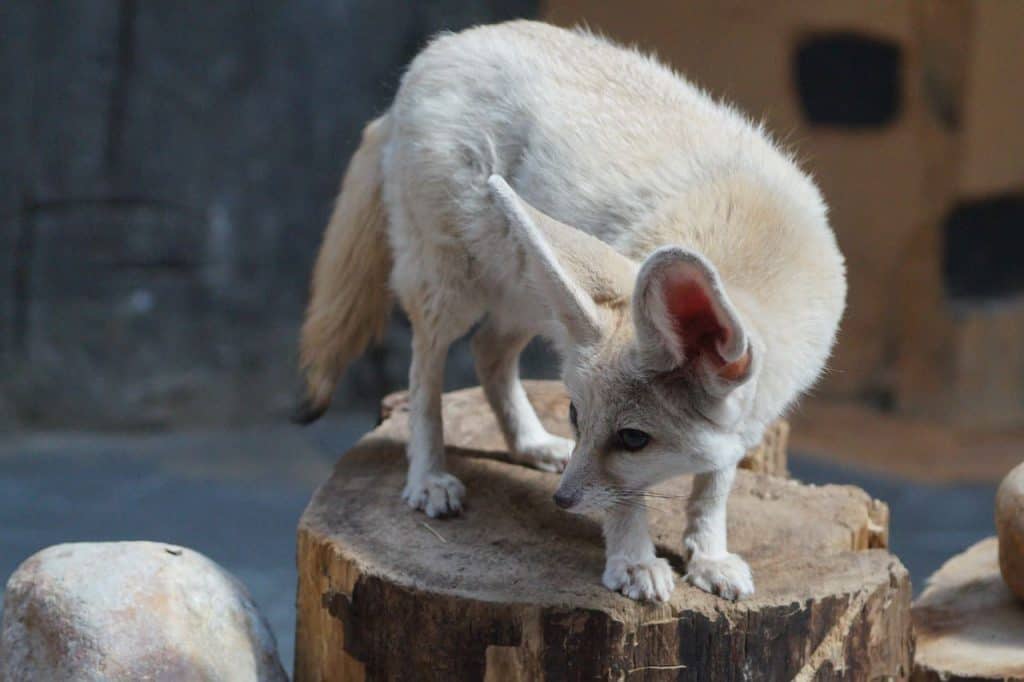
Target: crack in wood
{"x": 830, "y": 649}
{"x": 645, "y": 668}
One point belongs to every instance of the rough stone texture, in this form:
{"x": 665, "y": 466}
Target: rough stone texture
{"x": 512, "y": 589}
{"x": 166, "y": 173}
{"x": 131, "y": 611}
{"x": 1010, "y": 527}
{"x": 470, "y": 424}
{"x": 967, "y": 624}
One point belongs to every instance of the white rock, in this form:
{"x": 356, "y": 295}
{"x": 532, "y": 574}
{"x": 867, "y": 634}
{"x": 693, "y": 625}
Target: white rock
{"x": 131, "y": 611}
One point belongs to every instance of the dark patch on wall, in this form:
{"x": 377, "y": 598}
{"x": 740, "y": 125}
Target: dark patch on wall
{"x": 983, "y": 256}
{"x": 849, "y": 80}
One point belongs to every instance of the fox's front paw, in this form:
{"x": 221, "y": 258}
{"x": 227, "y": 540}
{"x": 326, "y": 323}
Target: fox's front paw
{"x": 550, "y": 453}
{"x": 438, "y": 495}
{"x": 647, "y": 580}
{"x": 727, "y": 576}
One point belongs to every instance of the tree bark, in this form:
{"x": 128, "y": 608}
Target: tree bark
{"x": 512, "y": 589}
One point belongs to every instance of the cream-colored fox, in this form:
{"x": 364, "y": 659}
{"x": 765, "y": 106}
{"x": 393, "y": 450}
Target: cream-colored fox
{"x": 545, "y": 181}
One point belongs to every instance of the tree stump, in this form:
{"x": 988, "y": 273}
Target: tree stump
{"x": 968, "y": 624}
{"x": 511, "y": 590}
{"x": 470, "y": 426}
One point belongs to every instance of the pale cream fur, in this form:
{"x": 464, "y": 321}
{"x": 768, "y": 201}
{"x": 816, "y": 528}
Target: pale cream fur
{"x": 502, "y": 137}
{"x": 349, "y": 300}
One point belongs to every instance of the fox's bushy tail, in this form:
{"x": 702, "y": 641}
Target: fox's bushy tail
{"x": 350, "y": 300}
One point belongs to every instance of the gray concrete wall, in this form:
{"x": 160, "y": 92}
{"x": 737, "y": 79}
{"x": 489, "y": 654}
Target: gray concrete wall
{"x": 166, "y": 169}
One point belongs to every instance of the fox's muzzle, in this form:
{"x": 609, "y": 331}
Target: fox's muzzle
{"x": 565, "y": 500}
{"x": 572, "y": 488}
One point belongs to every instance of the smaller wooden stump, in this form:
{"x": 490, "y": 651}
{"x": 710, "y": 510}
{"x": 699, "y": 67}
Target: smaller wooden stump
{"x": 511, "y": 590}
{"x": 968, "y": 624}
{"x": 470, "y": 426}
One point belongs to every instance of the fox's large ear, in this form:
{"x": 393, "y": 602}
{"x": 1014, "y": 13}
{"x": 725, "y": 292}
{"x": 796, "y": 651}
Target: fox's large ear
{"x": 684, "y": 318}
{"x": 575, "y": 272}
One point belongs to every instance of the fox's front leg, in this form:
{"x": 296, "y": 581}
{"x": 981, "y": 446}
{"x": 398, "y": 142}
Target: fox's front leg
{"x": 631, "y": 566}
{"x": 710, "y": 566}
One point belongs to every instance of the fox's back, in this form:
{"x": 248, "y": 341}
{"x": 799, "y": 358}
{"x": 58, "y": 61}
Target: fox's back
{"x": 597, "y": 135}
{"x": 594, "y": 134}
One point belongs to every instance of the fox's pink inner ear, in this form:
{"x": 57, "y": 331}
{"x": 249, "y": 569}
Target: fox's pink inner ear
{"x": 684, "y": 318}
{"x": 690, "y": 311}
{"x": 702, "y": 329}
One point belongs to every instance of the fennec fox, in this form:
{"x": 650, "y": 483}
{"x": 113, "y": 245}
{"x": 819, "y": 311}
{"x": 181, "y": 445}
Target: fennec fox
{"x": 545, "y": 181}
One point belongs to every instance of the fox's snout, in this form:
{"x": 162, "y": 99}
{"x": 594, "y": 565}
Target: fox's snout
{"x": 571, "y": 489}
{"x": 566, "y": 500}
{"x": 576, "y": 480}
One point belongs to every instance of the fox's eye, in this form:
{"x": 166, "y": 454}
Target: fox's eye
{"x": 572, "y": 416}
{"x": 632, "y": 439}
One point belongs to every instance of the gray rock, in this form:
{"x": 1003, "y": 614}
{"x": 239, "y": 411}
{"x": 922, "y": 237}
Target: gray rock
{"x": 131, "y": 611}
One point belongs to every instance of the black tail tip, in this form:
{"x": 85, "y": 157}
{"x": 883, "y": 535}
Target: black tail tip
{"x": 307, "y": 412}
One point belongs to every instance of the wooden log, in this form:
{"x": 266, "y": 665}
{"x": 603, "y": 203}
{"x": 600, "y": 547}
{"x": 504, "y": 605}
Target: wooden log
{"x": 470, "y": 425}
{"x": 968, "y": 624}
{"x": 511, "y": 590}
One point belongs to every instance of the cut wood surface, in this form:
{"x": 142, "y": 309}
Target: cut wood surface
{"x": 470, "y": 426}
{"x": 968, "y": 624}
{"x": 511, "y": 590}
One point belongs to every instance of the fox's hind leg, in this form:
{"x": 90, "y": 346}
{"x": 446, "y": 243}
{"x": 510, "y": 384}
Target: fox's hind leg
{"x": 496, "y": 353}
{"x": 429, "y": 487}
{"x": 440, "y": 310}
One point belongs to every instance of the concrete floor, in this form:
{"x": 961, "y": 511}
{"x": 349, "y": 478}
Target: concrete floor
{"x": 235, "y": 495}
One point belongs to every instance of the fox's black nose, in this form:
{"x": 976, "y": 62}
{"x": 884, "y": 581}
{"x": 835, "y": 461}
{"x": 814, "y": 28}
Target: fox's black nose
{"x": 564, "y": 500}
